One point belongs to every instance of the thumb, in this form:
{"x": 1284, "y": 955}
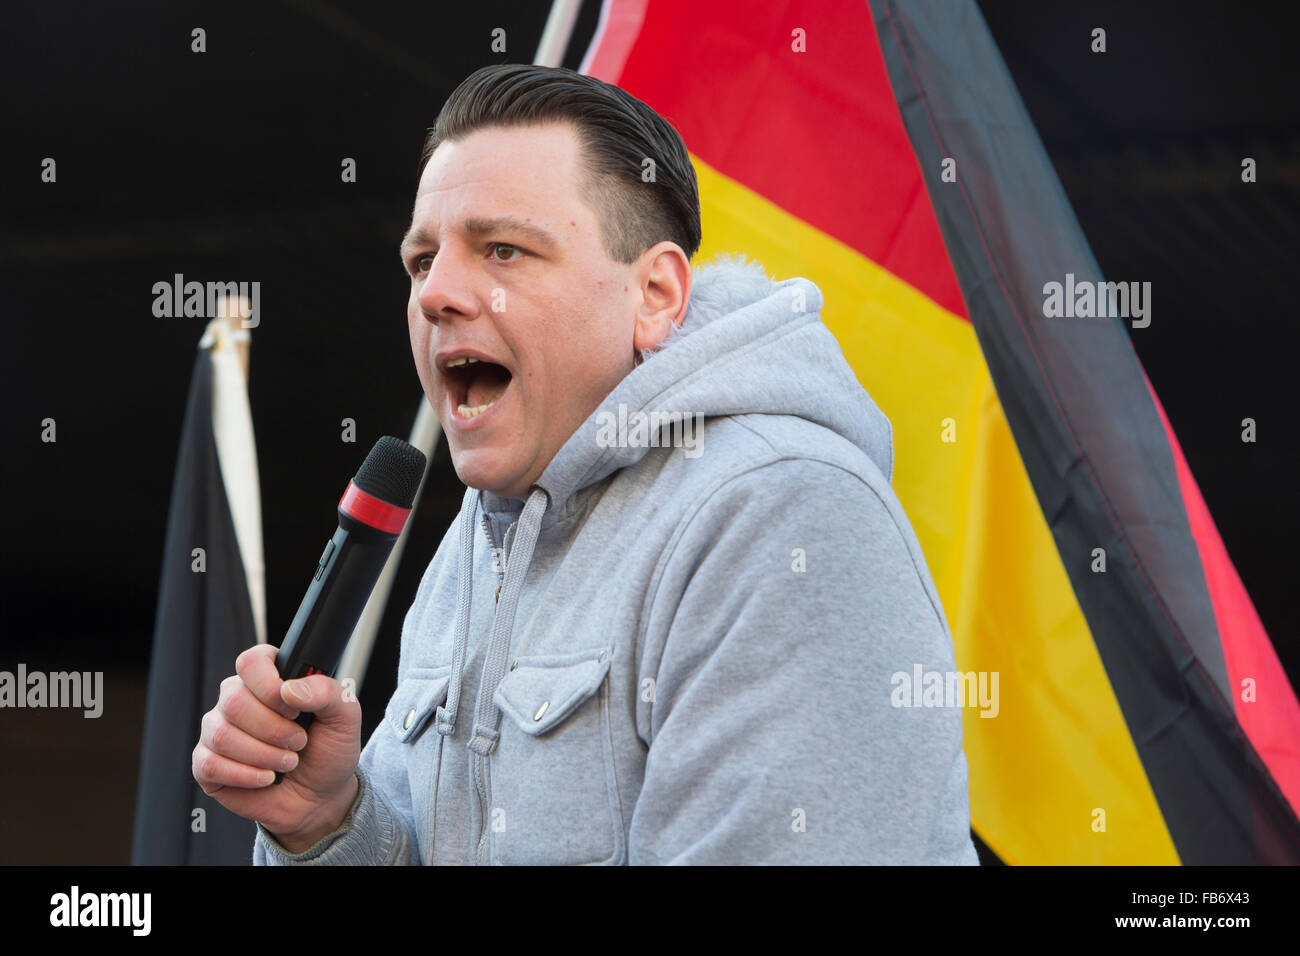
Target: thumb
{"x": 321, "y": 695}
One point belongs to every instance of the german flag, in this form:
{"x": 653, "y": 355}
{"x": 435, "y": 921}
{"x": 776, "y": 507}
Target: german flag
{"x": 881, "y": 149}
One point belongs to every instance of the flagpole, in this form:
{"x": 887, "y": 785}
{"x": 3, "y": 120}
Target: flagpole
{"x": 550, "y": 52}
{"x": 557, "y": 32}
{"x": 424, "y": 436}
{"x": 232, "y": 431}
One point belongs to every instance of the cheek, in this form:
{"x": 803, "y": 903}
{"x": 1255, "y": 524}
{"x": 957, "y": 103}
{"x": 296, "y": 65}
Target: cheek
{"x": 570, "y": 353}
{"x": 607, "y": 356}
{"x": 420, "y": 333}
{"x": 579, "y": 378}
{"x": 413, "y": 317}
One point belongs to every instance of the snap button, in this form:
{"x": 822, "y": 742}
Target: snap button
{"x": 410, "y": 719}
{"x": 515, "y": 664}
{"x": 541, "y": 710}
{"x": 601, "y": 658}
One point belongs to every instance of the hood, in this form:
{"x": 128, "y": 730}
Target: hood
{"x": 748, "y": 344}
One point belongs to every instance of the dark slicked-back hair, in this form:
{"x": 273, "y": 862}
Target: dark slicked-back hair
{"x": 618, "y": 134}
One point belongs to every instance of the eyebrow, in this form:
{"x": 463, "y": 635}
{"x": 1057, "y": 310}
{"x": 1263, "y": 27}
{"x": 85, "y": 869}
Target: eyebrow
{"x": 479, "y": 226}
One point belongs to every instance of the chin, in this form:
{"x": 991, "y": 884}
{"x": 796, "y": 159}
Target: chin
{"x": 475, "y": 472}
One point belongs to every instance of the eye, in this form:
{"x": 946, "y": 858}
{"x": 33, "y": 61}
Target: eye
{"x": 493, "y": 246}
{"x": 422, "y": 264}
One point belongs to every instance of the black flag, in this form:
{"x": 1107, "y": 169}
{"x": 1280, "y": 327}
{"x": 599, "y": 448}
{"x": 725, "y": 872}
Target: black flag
{"x": 204, "y": 620}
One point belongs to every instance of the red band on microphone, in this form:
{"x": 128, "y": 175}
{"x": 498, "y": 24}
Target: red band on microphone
{"x": 373, "y": 511}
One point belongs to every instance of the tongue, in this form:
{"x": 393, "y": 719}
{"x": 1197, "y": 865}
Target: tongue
{"x": 487, "y": 386}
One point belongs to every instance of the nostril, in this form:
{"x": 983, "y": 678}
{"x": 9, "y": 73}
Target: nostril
{"x": 442, "y": 314}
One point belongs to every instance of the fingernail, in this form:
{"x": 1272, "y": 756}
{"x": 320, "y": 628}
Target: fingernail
{"x": 299, "y": 741}
{"x": 265, "y": 777}
{"x": 289, "y": 762}
{"x": 300, "y": 690}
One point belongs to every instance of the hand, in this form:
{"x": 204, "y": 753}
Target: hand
{"x": 251, "y": 733}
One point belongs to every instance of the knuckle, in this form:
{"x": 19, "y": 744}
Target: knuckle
{"x": 220, "y": 737}
{"x": 235, "y": 706}
{"x": 248, "y": 656}
{"x": 209, "y": 766}
{"x": 229, "y": 687}
{"x": 207, "y": 724}
{"x": 262, "y": 661}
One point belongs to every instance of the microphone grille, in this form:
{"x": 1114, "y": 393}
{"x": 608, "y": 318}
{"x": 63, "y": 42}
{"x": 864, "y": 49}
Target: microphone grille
{"x": 392, "y": 471}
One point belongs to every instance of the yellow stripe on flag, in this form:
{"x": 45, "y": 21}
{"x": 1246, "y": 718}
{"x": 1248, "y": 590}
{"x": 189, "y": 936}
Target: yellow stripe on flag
{"x": 1058, "y": 749}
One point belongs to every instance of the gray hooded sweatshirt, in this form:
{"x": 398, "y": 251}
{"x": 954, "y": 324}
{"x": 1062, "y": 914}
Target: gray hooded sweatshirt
{"x": 682, "y": 647}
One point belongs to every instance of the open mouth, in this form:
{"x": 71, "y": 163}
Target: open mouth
{"x": 474, "y": 385}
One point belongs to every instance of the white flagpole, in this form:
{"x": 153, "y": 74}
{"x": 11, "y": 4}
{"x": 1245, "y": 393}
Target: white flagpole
{"x": 550, "y": 52}
{"x": 557, "y": 32}
{"x": 232, "y": 430}
{"x": 424, "y": 436}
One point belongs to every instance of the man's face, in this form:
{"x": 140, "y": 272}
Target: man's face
{"x": 507, "y": 267}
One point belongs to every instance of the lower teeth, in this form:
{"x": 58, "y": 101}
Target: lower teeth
{"x": 466, "y": 411}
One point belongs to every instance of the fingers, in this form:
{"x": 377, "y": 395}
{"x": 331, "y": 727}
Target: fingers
{"x": 238, "y": 706}
{"x": 256, "y": 668}
{"x": 243, "y": 741}
{"x": 225, "y": 739}
{"x": 214, "y": 771}
{"x": 250, "y": 735}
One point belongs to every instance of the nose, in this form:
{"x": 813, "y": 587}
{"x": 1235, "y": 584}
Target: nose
{"x": 445, "y": 292}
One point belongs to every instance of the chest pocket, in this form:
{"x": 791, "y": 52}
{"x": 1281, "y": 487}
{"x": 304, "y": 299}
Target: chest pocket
{"x": 553, "y": 791}
{"x": 410, "y": 717}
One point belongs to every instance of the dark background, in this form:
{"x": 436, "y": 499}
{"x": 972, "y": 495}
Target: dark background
{"x": 225, "y": 166}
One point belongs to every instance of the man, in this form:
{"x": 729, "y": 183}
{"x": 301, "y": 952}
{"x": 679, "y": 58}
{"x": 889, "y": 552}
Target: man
{"x": 664, "y": 625}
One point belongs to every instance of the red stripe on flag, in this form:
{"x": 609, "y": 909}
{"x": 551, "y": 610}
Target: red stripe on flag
{"x": 1272, "y": 720}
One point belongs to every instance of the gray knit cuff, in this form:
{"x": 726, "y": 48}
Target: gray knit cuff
{"x": 368, "y": 836}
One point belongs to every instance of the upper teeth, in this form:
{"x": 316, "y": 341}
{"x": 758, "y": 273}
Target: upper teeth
{"x": 452, "y": 363}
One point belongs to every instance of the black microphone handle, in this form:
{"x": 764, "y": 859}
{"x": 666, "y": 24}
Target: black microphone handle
{"x": 340, "y": 587}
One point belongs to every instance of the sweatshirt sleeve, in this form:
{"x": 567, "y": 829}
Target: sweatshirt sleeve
{"x": 792, "y": 598}
{"x": 372, "y": 834}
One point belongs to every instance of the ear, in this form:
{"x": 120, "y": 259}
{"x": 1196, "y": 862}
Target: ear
{"x": 665, "y": 293}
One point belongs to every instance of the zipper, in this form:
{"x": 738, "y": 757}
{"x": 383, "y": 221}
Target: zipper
{"x": 481, "y": 789}
{"x": 476, "y": 761}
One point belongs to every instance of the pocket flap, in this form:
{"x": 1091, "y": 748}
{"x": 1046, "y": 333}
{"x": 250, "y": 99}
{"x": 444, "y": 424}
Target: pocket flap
{"x": 417, "y": 697}
{"x": 539, "y": 692}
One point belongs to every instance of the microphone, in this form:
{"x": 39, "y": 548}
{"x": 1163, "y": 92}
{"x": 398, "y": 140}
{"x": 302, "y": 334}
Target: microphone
{"x": 372, "y": 513}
